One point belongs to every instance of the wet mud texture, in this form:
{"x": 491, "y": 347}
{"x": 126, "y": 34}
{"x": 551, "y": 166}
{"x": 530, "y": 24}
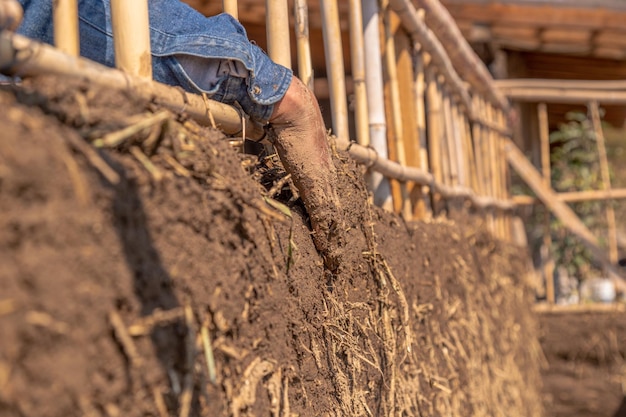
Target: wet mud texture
{"x": 161, "y": 277}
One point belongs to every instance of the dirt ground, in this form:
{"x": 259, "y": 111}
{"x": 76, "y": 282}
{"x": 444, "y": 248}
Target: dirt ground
{"x": 161, "y": 277}
{"x": 585, "y": 372}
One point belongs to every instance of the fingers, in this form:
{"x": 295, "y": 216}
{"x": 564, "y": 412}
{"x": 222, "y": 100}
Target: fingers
{"x": 11, "y": 14}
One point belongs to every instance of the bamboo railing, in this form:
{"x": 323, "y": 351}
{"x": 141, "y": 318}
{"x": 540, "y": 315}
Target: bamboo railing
{"x": 443, "y": 141}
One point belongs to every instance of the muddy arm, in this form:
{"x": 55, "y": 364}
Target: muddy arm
{"x": 299, "y": 136}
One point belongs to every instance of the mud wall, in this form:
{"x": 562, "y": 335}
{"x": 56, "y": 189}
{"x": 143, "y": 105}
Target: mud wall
{"x": 173, "y": 284}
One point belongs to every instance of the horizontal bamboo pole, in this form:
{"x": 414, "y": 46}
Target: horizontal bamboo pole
{"x": 594, "y": 85}
{"x": 563, "y": 91}
{"x": 545, "y": 308}
{"x": 575, "y": 196}
{"x": 25, "y": 57}
{"x": 390, "y": 169}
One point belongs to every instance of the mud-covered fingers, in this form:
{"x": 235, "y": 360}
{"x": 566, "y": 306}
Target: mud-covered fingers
{"x": 11, "y": 14}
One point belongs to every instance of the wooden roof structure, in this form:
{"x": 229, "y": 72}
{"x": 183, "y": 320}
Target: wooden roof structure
{"x": 589, "y": 28}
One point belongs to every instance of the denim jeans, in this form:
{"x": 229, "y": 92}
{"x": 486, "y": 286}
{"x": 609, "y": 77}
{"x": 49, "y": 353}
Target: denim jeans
{"x": 198, "y": 53}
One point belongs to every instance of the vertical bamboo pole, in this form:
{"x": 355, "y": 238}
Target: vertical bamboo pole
{"x": 357, "y": 50}
{"x": 445, "y": 129}
{"x": 277, "y": 27}
{"x": 65, "y": 18}
{"x": 334, "y": 67}
{"x": 471, "y": 156}
{"x": 434, "y": 131}
{"x": 131, "y": 37}
{"x": 375, "y": 100}
{"x": 303, "y": 43}
{"x": 544, "y": 138}
{"x": 451, "y": 139}
{"x": 504, "y": 175}
{"x": 606, "y": 180}
{"x": 230, "y": 7}
{"x": 485, "y": 143}
{"x": 422, "y": 209}
{"x": 478, "y": 152}
{"x": 459, "y": 144}
{"x": 397, "y": 141}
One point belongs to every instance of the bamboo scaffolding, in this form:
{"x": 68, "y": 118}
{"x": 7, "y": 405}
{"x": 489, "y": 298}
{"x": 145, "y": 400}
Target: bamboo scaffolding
{"x": 334, "y": 67}
{"x": 303, "y": 43}
{"x": 277, "y": 29}
{"x": 24, "y": 57}
{"x": 505, "y": 175}
{"x": 548, "y": 262}
{"x": 65, "y": 25}
{"x": 606, "y": 179}
{"x": 568, "y": 218}
{"x": 375, "y": 100}
{"x": 131, "y": 37}
{"x": 231, "y": 7}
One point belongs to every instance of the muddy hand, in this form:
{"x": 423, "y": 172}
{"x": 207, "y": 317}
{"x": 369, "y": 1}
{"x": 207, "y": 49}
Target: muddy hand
{"x": 300, "y": 139}
{"x": 11, "y": 14}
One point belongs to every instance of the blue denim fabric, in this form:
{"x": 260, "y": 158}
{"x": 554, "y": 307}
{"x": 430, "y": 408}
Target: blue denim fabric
{"x": 177, "y": 29}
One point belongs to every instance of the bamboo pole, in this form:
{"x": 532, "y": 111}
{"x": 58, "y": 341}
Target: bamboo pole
{"x": 396, "y": 139}
{"x": 577, "y": 196}
{"x": 451, "y": 151}
{"x": 65, "y": 24}
{"x": 479, "y": 165}
{"x": 303, "y": 43}
{"x": 606, "y": 180}
{"x": 231, "y": 7}
{"x": 369, "y": 157}
{"x": 493, "y": 167}
{"x": 563, "y": 95}
{"x": 357, "y": 50}
{"x": 505, "y": 176}
{"x": 375, "y": 100}
{"x": 423, "y": 209}
{"x": 277, "y": 29}
{"x": 24, "y": 57}
{"x": 434, "y": 131}
{"x": 568, "y": 218}
{"x": 548, "y": 262}
{"x": 334, "y": 67}
{"x": 131, "y": 37}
